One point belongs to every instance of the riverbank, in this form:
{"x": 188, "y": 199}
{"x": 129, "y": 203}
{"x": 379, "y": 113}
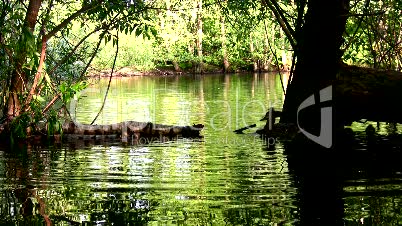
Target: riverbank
{"x": 166, "y": 71}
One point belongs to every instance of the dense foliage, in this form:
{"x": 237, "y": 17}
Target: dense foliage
{"x": 247, "y": 33}
{"x": 47, "y": 48}
{"x": 243, "y": 37}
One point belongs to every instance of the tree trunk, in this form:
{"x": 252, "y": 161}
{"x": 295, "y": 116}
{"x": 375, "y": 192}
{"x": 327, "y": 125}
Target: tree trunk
{"x": 18, "y": 78}
{"x": 132, "y": 127}
{"x": 176, "y": 66}
{"x": 198, "y": 43}
{"x": 255, "y": 62}
{"x": 368, "y": 93}
{"x": 224, "y": 50}
{"x": 318, "y": 55}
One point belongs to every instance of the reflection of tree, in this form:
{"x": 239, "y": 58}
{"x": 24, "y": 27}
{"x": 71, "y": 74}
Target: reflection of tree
{"x": 22, "y": 198}
{"x": 261, "y": 187}
{"x": 319, "y": 185}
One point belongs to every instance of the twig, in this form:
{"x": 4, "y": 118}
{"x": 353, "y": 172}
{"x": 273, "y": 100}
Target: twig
{"x": 110, "y": 79}
{"x": 93, "y": 54}
{"x": 240, "y": 131}
{"x": 72, "y": 51}
{"x": 276, "y": 59}
{"x": 50, "y": 103}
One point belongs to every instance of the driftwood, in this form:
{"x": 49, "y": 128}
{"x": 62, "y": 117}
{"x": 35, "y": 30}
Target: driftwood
{"x": 133, "y": 130}
{"x": 124, "y": 131}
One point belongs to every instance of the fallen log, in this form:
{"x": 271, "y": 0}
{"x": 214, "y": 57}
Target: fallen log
{"x": 360, "y": 93}
{"x": 367, "y": 93}
{"x": 133, "y": 130}
{"x": 124, "y": 131}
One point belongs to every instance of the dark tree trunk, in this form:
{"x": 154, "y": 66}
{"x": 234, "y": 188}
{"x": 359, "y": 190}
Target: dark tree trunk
{"x": 318, "y": 54}
{"x": 318, "y": 61}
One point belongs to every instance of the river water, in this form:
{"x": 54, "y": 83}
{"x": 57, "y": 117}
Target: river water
{"x": 221, "y": 179}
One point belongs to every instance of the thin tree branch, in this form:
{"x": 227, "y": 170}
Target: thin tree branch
{"x": 289, "y": 32}
{"x": 38, "y": 73}
{"x": 276, "y": 58}
{"x": 281, "y": 13}
{"x": 93, "y": 54}
{"x": 364, "y": 14}
{"x": 72, "y": 51}
{"x": 66, "y": 21}
{"x": 110, "y": 79}
{"x": 55, "y": 98}
{"x": 358, "y": 26}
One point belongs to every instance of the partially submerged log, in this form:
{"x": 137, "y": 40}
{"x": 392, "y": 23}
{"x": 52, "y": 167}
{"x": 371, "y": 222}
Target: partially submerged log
{"x": 133, "y": 130}
{"x": 366, "y": 93}
{"x": 138, "y": 132}
{"x": 359, "y": 93}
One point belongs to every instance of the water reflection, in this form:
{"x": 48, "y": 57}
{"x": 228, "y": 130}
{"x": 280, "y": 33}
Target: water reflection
{"x": 223, "y": 179}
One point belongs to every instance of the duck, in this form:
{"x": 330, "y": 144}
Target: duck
{"x": 274, "y": 114}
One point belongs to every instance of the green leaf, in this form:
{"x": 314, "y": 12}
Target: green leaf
{"x": 38, "y": 98}
{"x": 137, "y": 32}
{"x": 154, "y": 32}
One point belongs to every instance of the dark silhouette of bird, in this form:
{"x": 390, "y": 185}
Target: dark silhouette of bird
{"x": 274, "y": 114}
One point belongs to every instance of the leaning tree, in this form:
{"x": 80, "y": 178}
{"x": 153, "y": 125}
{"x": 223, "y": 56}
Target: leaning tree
{"x": 327, "y": 36}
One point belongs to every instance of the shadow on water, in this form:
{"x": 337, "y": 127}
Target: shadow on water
{"x": 317, "y": 174}
{"x": 359, "y": 182}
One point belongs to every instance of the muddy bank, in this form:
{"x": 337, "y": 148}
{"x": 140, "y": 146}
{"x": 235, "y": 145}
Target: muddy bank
{"x": 165, "y": 71}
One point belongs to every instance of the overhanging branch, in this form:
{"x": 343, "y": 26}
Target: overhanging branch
{"x": 66, "y": 21}
{"x": 283, "y": 22}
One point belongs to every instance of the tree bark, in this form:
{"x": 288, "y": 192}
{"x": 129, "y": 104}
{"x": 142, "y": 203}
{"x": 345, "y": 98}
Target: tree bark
{"x": 38, "y": 73}
{"x": 368, "y": 93}
{"x": 32, "y": 14}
